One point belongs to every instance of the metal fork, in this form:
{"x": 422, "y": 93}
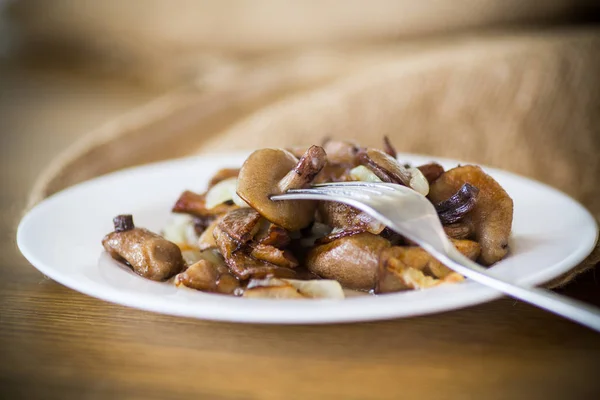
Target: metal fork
{"x": 412, "y": 215}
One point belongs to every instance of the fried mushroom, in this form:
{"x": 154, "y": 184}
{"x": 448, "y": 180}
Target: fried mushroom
{"x": 195, "y": 204}
{"x": 242, "y": 264}
{"x": 207, "y": 276}
{"x": 407, "y": 267}
{"x": 492, "y": 215}
{"x": 389, "y": 170}
{"x": 351, "y": 260}
{"x": 150, "y": 255}
{"x": 274, "y": 171}
{"x": 344, "y": 217}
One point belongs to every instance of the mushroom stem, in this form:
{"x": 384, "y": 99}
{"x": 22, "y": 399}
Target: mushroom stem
{"x": 123, "y": 223}
{"x": 311, "y": 163}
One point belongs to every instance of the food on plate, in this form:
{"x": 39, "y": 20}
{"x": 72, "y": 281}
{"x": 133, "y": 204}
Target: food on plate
{"x": 490, "y": 215}
{"x": 234, "y": 240}
{"x": 150, "y": 255}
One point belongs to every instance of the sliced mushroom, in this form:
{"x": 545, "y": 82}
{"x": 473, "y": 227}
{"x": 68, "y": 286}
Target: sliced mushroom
{"x": 195, "y": 204}
{"x": 341, "y": 152}
{"x": 344, "y": 217}
{"x": 272, "y": 235}
{"x": 337, "y": 234}
{"x": 351, "y": 260}
{"x": 223, "y": 174}
{"x": 207, "y": 240}
{"x": 242, "y": 264}
{"x": 245, "y": 267}
{"x": 273, "y": 255}
{"x": 150, "y": 255}
{"x": 273, "y": 171}
{"x": 459, "y": 230}
{"x": 241, "y": 224}
{"x": 431, "y": 171}
{"x": 334, "y": 173}
{"x": 388, "y": 169}
{"x": 492, "y": 215}
{"x": 208, "y": 277}
{"x": 406, "y": 268}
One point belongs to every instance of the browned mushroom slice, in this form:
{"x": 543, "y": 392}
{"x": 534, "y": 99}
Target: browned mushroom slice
{"x": 384, "y": 166}
{"x": 241, "y": 264}
{"x": 273, "y": 171}
{"x": 388, "y": 169}
{"x": 334, "y": 173}
{"x": 241, "y": 224}
{"x": 273, "y": 255}
{"x": 149, "y": 254}
{"x": 272, "y": 235}
{"x": 202, "y": 223}
{"x": 201, "y": 275}
{"x": 223, "y": 174}
{"x": 341, "y": 152}
{"x": 207, "y": 240}
{"x": 351, "y": 260}
{"x": 432, "y": 171}
{"x": 338, "y": 234}
{"x": 195, "y": 204}
{"x": 245, "y": 267}
{"x": 459, "y": 230}
{"x": 208, "y": 277}
{"x": 492, "y": 215}
{"x": 406, "y": 268}
{"x": 343, "y": 217}
{"x": 311, "y": 163}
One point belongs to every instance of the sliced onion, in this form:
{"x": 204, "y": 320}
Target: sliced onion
{"x": 418, "y": 181}
{"x": 180, "y": 230}
{"x": 293, "y": 288}
{"x": 222, "y": 192}
{"x": 318, "y": 288}
{"x": 364, "y": 174}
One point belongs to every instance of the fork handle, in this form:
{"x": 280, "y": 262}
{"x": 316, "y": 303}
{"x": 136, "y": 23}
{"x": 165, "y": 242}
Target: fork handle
{"x": 574, "y": 310}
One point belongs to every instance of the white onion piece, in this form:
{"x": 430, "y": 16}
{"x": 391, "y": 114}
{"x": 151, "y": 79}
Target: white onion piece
{"x": 313, "y": 289}
{"x": 364, "y": 174}
{"x": 222, "y": 192}
{"x": 318, "y": 288}
{"x": 180, "y": 230}
{"x": 418, "y": 181}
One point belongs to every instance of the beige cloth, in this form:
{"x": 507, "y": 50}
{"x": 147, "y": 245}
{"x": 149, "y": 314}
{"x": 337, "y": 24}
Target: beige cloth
{"x": 162, "y": 42}
{"x": 525, "y": 103}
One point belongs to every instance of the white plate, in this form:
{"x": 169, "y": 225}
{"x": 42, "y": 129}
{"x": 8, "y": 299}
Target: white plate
{"x": 61, "y": 237}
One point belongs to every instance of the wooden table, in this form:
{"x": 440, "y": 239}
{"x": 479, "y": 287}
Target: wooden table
{"x": 56, "y": 343}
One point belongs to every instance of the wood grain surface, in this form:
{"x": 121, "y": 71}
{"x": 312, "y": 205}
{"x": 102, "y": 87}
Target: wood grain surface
{"x": 56, "y": 343}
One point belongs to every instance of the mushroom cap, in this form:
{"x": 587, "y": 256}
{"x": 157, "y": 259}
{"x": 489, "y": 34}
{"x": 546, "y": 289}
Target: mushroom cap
{"x": 258, "y": 180}
{"x": 493, "y": 212}
{"x": 351, "y": 260}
